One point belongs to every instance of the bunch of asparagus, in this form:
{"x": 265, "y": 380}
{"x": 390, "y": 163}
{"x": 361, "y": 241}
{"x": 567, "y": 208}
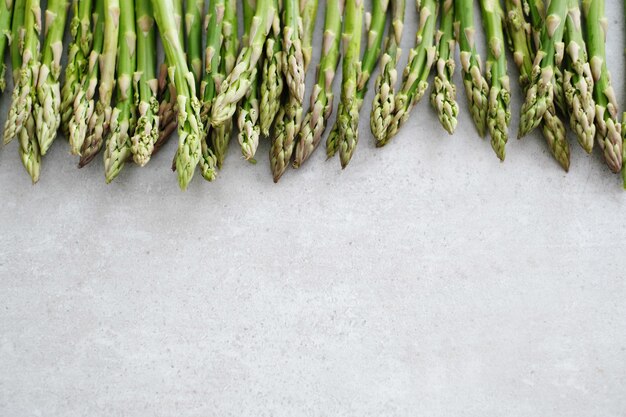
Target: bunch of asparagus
{"x": 118, "y": 98}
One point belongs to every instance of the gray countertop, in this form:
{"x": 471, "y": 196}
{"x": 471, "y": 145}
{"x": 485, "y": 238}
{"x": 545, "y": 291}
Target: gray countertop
{"x": 426, "y": 279}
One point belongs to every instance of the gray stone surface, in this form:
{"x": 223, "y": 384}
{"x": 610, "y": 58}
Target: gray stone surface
{"x": 428, "y": 279}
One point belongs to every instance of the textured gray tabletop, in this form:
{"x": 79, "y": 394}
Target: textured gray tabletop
{"x": 427, "y": 279}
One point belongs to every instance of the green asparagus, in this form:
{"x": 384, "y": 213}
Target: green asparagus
{"x": 123, "y": 117}
{"x": 193, "y": 25}
{"x": 99, "y": 121}
{"x": 47, "y": 106}
{"x": 6, "y": 13}
{"x": 271, "y": 77}
{"x": 321, "y": 107}
{"x": 443, "y": 96}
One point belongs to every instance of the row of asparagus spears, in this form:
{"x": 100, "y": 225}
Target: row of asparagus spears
{"x": 117, "y": 98}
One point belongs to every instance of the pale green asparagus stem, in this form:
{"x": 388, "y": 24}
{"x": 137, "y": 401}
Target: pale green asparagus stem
{"x": 271, "y": 77}
{"x": 498, "y": 110}
{"x": 348, "y": 112}
{"x": 443, "y": 96}
{"x": 289, "y": 119}
{"x": 293, "y": 59}
{"x": 193, "y": 26}
{"x": 308, "y": 11}
{"x": 25, "y": 88}
{"x": 608, "y": 128}
{"x": 383, "y": 104}
{"x": 6, "y": 13}
{"x": 47, "y": 106}
{"x": 77, "y": 66}
{"x": 84, "y": 103}
{"x": 577, "y": 80}
{"x": 520, "y": 35}
{"x": 101, "y": 118}
{"x": 118, "y": 144}
{"x": 540, "y": 94}
{"x": 321, "y": 107}
{"x": 238, "y": 82}
{"x": 415, "y": 76}
{"x": 145, "y": 85}
{"x": 190, "y": 130}
{"x": 476, "y": 87}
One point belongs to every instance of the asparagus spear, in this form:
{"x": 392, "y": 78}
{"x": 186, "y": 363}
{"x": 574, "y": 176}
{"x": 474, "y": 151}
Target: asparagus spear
{"x": 321, "y": 106}
{"x": 577, "y": 80}
{"x": 384, "y": 100}
{"x": 272, "y": 77}
{"x": 24, "y": 91}
{"x": 190, "y": 130}
{"x": 608, "y": 129}
{"x": 248, "y": 118}
{"x": 476, "y": 87}
{"x": 18, "y": 32}
{"x": 289, "y": 118}
{"x": 214, "y": 22}
{"x": 293, "y": 60}
{"x": 78, "y": 51}
{"x": 101, "y": 118}
{"x": 167, "y": 91}
{"x": 118, "y": 144}
{"x": 540, "y": 94}
{"x": 220, "y": 136}
{"x": 84, "y": 103}
{"x": 415, "y": 76}
{"x": 6, "y": 13}
{"x": 308, "y": 11}
{"x": 28, "y": 145}
{"x": 145, "y": 85}
{"x": 47, "y": 106}
{"x": 498, "y": 110}
{"x": 520, "y": 35}
{"x": 238, "y": 82}
{"x": 443, "y": 96}
{"x": 347, "y": 124}
{"x": 193, "y": 25}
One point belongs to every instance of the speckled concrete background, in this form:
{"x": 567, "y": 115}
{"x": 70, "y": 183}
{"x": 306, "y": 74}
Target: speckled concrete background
{"x": 428, "y": 279}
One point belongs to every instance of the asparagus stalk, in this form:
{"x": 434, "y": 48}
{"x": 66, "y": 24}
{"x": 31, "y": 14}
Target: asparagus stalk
{"x": 476, "y": 87}
{"x": 348, "y": 112}
{"x": 520, "y": 35}
{"x": 18, "y": 32}
{"x": 321, "y": 106}
{"x": 498, "y": 110}
{"x": 118, "y": 144}
{"x": 193, "y": 26}
{"x": 384, "y": 101}
{"x": 293, "y": 59}
{"x": 145, "y": 85}
{"x": 346, "y": 135}
{"x": 84, "y": 103}
{"x": 101, "y": 118}
{"x": 308, "y": 11}
{"x": 220, "y": 136}
{"x": 190, "y": 130}
{"x": 443, "y": 96}
{"x": 289, "y": 118}
{"x": 25, "y": 89}
{"x": 238, "y": 82}
{"x": 415, "y": 76}
{"x": 214, "y": 23}
{"x": 608, "y": 129}
{"x": 248, "y": 118}
{"x": 78, "y": 51}
{"x": 47, "y": 106}
{"x": 577, "y": 80}
{"x": 540, "y": 94}
{"x": 6, "y": 13}
{"x": 167, "y": 91}
{"x": 272, "y": 77}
